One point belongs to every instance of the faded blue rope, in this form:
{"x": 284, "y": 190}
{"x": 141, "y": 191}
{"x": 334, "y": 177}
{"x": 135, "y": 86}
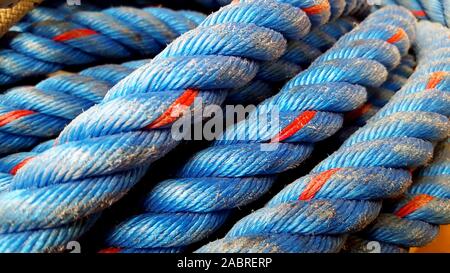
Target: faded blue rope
{"x": 342, "y": 194}
{"x": 235, "y": 170}
{"x": 102, "y": 153}
{"x": 88, "y": 36}
{"x": 413, "y": 221}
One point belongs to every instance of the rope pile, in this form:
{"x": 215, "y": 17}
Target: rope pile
{"x": 103, "y": 152}
{"x": 95, "y": 133}
{"x": 236, "y": 171}
{"x": 342, "y": 194}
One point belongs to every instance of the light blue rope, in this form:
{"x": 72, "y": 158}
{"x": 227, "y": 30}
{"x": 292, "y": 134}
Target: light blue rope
{"x": 102, "y": 153}
{"x": 235, "y": 171}
{"x": 341, "y": 195}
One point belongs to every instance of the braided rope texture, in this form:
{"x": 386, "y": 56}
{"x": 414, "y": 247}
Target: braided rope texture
{"x": 10, "y": 16}
{"x": 342, "y": 194}
{"x": 413, "y": 220}
{"x": 235, "y": 171}
{"x": 434, "y": 10}
{"x": 103, "y": 152}
{"x": 89, "y": 36}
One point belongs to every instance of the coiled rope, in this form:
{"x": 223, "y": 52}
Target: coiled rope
{"x": 86, "y": 37}
{"x": 434, "y": 10}
{"x": 105, "y": 150}
{"x": 236, "y": 171}
{"x": 413, "y": 220}
{"x": 342, "y": 194}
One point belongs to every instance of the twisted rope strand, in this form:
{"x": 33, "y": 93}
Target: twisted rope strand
{"x": 342, "y": 194}
{"x": 235, "y": 170}
{"x": 88, "y": 36}
{"x": 102, "y": 153}
{"x": 378, "y": 97}
{"x": 414, "y": 219}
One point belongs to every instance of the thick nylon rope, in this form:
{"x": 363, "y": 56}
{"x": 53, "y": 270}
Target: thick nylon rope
{"x": 114, "y": 33}
{"x": 434, "y": 10}
{"x": 342, "y": 194}
{"x": 10, "y": 16}
{"x": 413, "y": 221}
{"x": 32, "y": 114}
{"x": 103, "y": 152}
{"x": 235, "y": 170}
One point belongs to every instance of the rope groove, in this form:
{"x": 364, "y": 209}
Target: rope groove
{"x": 103, "y": 152}
{"x": 235, "y": 170}
{"x": 343, "y": 192}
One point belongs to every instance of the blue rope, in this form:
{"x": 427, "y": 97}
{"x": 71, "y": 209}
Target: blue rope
{"x": 412, "y": 221}
{"x": 235, "y": 170}
{"x": 102, "y": 153}
{"x": 88, "y": 36}
{"x": 434, "y": 10}
{"x": 341, "y": 194}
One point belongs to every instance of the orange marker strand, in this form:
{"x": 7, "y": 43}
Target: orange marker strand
{"x": 323, "y": 6}
{"x": 435, "y": 79}
{"x": 316, "y": 183}
{"x": 414, "y": 204}
{"x": 20, "y": 165}
{"x": 297, "y": 124}
{"x": 398, "y": 36}
{"x": 13, "y": 115}
{"x": 419, "y": 13}
{"x": 110, "y": 250}
{"x": 175, "y": 110}
{"x": 74, "y": 34}
{"x": 352, "y": 115}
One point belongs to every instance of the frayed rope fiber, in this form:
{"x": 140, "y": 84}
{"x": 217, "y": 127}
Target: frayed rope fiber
{"x": 342, "y": 194}
{"x": 413, "y": 221}
{"x": 90, "y": 36}
{"x": 235, "y": 170}
{"x": 103, "y": 152}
